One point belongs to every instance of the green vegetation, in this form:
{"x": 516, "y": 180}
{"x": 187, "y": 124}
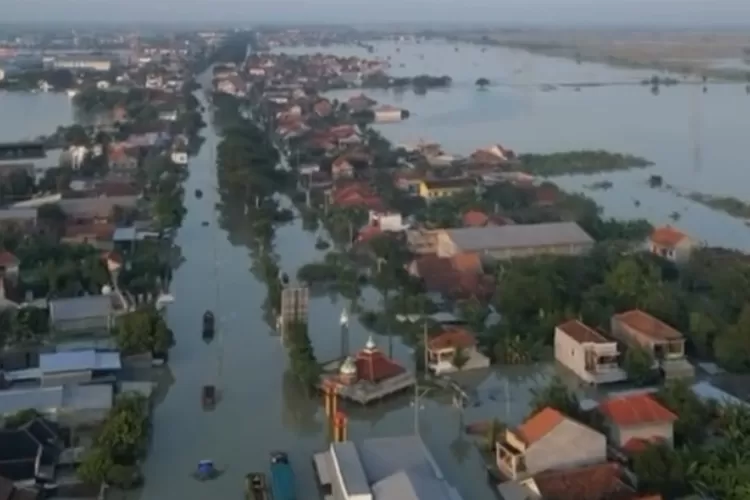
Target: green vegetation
{"x": 303, "y": 363}
{"x": 119, "y": 445}
{"x": 163, "y": 188}
{"x": 579, "y": 162}
{"x": 730, "y": 205}
{"x": 143, "y": 331}
{"x": 482, "y": 82}
{"x": 25, "y": 326}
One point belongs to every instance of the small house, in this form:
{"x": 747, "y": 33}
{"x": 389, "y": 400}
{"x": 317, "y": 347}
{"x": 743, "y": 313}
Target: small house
{"x": 440, "y": 188}
{"x": 588, "y": 353}
{"x": 385, "y": 114}
{"x": 91, "y": 313}
{"x": 179, "y": 157}
{"x": 637, "y": 418}
{"x": 665, "y": 344}
{"x": 455, "y": 349}
{"x": 549, "y": 440}
{"x": 671, "y": 244}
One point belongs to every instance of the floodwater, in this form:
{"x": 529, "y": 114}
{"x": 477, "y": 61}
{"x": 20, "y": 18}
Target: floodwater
{"x": 260, "y": 407}
{"x": 25, "y": 116}
{"x": 695, "y": 139}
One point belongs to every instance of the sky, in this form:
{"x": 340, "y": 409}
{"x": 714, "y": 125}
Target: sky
{"x": 502, "y": 12}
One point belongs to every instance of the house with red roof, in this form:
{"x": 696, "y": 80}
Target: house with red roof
{"x": 355, "y": 194}
{"x": 634, "y": 418}
{"x": 588, "y": 353}
{"x": 454, "y": 349}
{"x": 548, "y": 440}
{"x": 368, "y": 376}
{"x": 605, "y": 481}
{"x": 671, "y": 244}
{"x": 665, "y": 344}
{"x": 458, "y": 277}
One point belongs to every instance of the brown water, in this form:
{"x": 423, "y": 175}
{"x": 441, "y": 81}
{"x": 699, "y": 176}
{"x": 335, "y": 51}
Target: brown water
{"x": 261, "y": 409}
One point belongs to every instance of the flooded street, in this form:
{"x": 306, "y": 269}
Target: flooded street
{"x": 695, "y": 139}
{"x": 261, "y": 408}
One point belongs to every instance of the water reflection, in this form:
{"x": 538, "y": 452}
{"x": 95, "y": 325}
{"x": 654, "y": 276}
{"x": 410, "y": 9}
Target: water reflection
{"x": 301, "y": 409}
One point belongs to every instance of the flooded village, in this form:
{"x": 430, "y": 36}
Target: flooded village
{"x": 279, "y": 272}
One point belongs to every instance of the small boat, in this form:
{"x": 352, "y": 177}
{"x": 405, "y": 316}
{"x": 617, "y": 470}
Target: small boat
{"x": 208, "y": 397}
{"x": 198, "y": 193}
{"x": 282, "y": 477}
{"x": 208, "y": 324}
{"x": 256, "y": 486}
{"x": 206, "y": 471}
{"x": 204, "y": 223}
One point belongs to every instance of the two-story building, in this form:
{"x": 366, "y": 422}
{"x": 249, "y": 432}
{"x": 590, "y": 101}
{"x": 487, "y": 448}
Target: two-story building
{"x": 517, "y": 240}
{"x": 588, "y": 353}
{"x": 549, "y": 440}
{"x": 431, "y": 189}
{"x": 671, "y": 244}
{"x": 636, "y": 419}
{"x": 664, "y": 343}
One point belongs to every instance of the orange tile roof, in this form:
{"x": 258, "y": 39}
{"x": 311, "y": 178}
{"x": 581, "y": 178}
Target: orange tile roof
{"x": 453, "y": 338}
{"x": 635, "y": 409}
{"x": 648, "y": 325}
{"x": 667, "y": 236}
{"x": 539, "y": 425}
{"x": 582, "y": 333}
{"x": 467, "y": 262}
{"x": 593, "y": 482}
{"x": 475, "y": 218}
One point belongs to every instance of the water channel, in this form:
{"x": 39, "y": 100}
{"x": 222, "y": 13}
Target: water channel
{"x": 260, "y": 408}
{"x": 695, "y": 139}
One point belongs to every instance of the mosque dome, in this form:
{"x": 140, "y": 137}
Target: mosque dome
{"x": 348, "y": 367}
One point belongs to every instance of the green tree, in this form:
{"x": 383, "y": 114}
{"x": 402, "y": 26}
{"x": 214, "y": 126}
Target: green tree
{"x": 460, "y": 358}
{"x": 556, "y": 395}
{"x": 638, "y": 363}
{"x": 694, "y": 415}
{"x": 660, "y": 469}
{"x": 95, "y": 466}
{"x": 732, "y": 347}
{"x": 143, "y": 330}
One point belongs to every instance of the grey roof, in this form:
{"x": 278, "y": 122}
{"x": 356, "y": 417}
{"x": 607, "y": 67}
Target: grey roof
{"x": 346, "y": 460}
{"x": 77, "y": 308}
{"x": 88, "y": 397}
{"x": 518, "y": 235}
{"x": 41, "y": 399}
{"x": 383, "y": 457}
{"x": 96, "y": 206}
{"x": 124, "y": 234}
{"x": 79, "y": 360}
{"x": 18, "y": 214}
{"x": 411, "y": 485}
{"x": 706, "y": 391}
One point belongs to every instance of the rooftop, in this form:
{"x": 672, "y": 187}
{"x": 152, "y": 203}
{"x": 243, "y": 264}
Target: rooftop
{"x": 539, "y": 425}
{"x": 53, "y": 399}
{"x": 77, "y": 308}
{"x": 595, "y": 482}
{"x": 667, "y": 236}
{"x": 79, "y": 360}
{"x": 582, "y": 333}
{"x": 453, "y": 338}
{"x": 519, "y": 235}
{"x": 648, "y": 325}
{"x": 635, "y": 409}
{"x": 460, "y": 183}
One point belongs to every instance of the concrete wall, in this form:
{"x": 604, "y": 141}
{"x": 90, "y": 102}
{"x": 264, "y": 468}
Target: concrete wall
{"x": 571, "y": 354}
{"x": 567, "y": 446}
{"x": 621, "y": 435}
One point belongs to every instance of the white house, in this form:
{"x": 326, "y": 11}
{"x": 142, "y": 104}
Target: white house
{"x": 587, "y": 353}
{"x": 388, "y": 114}
{"x": 179, "y": 157}
{"x": 102, "y": 84}
{"x": 387, "y": 221}
{"x": 671, "y": 244}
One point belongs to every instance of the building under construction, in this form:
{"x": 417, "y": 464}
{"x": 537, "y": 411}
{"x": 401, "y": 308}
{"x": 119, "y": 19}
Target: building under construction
{"x": 294, "y": 308}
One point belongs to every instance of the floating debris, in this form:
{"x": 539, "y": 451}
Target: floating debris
{"x": 206, "y": 471}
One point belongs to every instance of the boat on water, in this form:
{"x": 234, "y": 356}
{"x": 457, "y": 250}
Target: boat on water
{"x": 198, "y": 193}
{"x": 208, "y": 324}
{"x": 208, "y": 397}
{"x": 256, "y": 486}
{"x": 282, "y": 477}
{"x": 206, "y": 471}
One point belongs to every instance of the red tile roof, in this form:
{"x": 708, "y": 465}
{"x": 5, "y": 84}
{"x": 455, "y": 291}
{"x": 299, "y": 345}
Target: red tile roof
{"x": 594, "y": 482}
{"x": 648, "y": 325}
{"x": 539, "y": 425}
{"x": 475, "y": 218}
{"x": 667, "y": 236}
{"x": 453, "y": 338}
{"x": 635, "y": 409}
{"x": 7, "y": 259}
{"x": 582, "y": 333}
{"x": 102, "y": 232}
{"x": 369, "y": 232}
{"x": 374, "y": 366}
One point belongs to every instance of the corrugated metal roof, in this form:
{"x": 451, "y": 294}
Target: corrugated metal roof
{"x": 346, "y": 460}
{"x": 77, "y": 308}
{"x": 383, "y": 457}
{"x": 41, "y": 399}
{"x": 410, "y": 485}
{"x": 707, "y": 391}
{"x": 518, "y": 235}
{"x": 69, "y": 361}
{"x": 88, "y": 397}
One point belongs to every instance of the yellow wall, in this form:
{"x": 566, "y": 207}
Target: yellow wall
{"x": 427, "y": 193}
